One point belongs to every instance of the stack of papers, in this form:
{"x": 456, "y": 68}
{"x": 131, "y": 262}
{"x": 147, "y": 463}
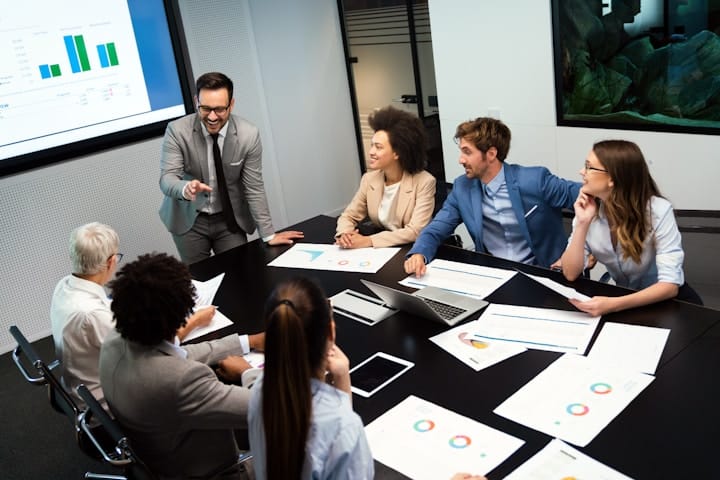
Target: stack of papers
{"x": 204, "y": 296}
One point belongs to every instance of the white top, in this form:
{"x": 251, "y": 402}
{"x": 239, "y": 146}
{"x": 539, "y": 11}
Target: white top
{"x": 336, "y": 448}
{"x": 389, "y": 193}
{"x": 81, "y": 319}
{"x": 662, "y": 255}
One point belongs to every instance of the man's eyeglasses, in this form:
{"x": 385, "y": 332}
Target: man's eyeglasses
{"x": 119, "y": 257}
{"x": 205, "y": 110}
{"x": 589, "y": 168}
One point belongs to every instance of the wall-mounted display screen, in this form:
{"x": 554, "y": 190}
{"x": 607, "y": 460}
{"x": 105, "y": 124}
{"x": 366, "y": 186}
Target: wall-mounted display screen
{"x": 638, "y": 64}
{"x": 77, "y": 76}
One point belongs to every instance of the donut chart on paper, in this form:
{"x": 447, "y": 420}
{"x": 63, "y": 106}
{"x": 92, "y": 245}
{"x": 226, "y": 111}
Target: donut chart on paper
{"x": 577, "y": 409}
{"x": 423, "y": 426}
{"x": 479, "y": 344}
{"x": 601, "y": 388}
{"x": 460, "y": 441}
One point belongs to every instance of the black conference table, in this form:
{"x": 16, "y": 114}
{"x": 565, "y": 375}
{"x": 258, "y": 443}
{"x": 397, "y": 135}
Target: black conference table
{"x": 669, "y": 431}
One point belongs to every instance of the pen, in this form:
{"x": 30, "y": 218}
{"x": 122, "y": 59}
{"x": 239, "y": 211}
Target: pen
{"x": 530, "y": 211}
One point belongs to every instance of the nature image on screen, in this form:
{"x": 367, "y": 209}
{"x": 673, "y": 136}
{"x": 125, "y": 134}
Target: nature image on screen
{"x": 638, "y": 64}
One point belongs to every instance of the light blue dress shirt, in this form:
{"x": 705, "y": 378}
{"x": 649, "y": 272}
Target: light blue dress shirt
{"x": 662, "y": 255}
{"x": 502, "y": 236}
{"x": 336, "y": 446}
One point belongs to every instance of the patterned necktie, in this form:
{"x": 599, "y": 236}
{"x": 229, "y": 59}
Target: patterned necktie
{"x": 222, "y": 186}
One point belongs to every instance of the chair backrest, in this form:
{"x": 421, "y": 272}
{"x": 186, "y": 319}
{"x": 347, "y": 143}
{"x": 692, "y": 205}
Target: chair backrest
{"x": 118, "y": 452}
{"x": 60, "y": 398}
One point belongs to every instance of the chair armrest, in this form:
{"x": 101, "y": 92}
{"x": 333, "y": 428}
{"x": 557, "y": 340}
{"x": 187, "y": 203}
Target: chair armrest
{"x": 122, "y": 455}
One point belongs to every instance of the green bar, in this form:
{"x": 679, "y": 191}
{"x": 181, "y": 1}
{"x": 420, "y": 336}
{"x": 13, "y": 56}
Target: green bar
{"x": 112, "y": 53}
{"x": 55, "y": 70}
{"x": 82, "y": 53}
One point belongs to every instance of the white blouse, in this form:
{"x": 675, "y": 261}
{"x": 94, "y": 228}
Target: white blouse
{"x": 662, "y": 254}
{"x": 389, "y": 194}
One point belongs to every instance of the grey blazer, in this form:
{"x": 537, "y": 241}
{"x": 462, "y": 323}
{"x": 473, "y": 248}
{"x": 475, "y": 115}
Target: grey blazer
{"x": 178, "y": 416}
{"x": 184, "y": 158}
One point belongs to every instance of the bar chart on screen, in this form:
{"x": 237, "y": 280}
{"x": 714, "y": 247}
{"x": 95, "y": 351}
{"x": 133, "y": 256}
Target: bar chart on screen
{"x": 77, "y": 63}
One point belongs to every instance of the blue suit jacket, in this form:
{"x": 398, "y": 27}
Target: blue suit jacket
{"x": 529, "y": 187}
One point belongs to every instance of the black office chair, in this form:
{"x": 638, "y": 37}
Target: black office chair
{"x": 119, "y": 453}
{"x": 60, "y": 398}
{"x": 26, "y": 358}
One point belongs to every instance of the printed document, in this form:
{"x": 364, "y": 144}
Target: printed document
{"x": 316, "y": 256}
{"x": 425, "y": 441}
{"x": 473, "y": 280}
{"x": 632, "y": 346}
{"x": 476, "y": 354}
{"x": 536, "y": 328}
{"x": 574, "y": 398}
{"x": 558, "y": 460}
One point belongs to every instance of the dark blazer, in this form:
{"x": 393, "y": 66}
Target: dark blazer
{"x": 184, "y": 158}
{"x": 177, "y": 414}
{"x": 537, "y": 198}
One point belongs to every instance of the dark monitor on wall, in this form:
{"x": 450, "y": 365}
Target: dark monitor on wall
{"x": 81, "y": 76}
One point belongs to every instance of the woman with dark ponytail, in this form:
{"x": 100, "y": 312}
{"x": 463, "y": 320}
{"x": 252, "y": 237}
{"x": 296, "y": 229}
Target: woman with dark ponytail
{"x": 302, "y": 425}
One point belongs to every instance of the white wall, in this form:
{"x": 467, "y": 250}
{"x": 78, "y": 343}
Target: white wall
{"x": 287, "y": 65}
{"x": 496, "y": 55}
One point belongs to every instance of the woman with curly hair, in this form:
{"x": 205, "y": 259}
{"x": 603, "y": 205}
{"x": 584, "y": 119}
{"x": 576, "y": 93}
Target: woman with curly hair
{"x": 398, "y": 195}
{"x": 621, "y": 219}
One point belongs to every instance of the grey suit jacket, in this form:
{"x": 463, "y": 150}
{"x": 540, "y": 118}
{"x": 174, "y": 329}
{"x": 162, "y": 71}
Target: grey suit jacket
{"x": 178, "y": 416}
{"x": 184, "y": 158}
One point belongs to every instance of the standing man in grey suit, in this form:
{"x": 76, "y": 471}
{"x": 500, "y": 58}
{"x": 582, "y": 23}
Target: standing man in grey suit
{"x": 211, "y": 175}
{"x": 178, "y": 415}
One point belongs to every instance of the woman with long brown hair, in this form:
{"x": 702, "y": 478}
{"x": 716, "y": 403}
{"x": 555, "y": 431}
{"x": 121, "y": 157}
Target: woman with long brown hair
{"x": 622, "y": 220}
{"x": 300, "y": 416}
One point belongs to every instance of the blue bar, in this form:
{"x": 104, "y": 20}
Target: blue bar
{"x": 72, "y": 54}
{"x": 102, "y": 53}
{"x": 45, "y": 71}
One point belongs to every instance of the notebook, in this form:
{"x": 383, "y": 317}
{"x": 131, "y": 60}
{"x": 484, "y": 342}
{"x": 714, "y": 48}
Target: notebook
{"x": 430, "y": 302}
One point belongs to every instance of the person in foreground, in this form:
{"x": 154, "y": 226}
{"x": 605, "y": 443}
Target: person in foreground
{"x": 398, "y": 195}
{"x": 302, "y": 425}
{"x": 204, "y": 207}
{"x": 621, "y": 219}
{"x": 510, "y": 211}
{"x": 80, "y": 310}
{"x": 176, "y": 412}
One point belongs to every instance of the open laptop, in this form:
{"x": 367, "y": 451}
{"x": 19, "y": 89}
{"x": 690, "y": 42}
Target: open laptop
{"x": 430, "y": 302}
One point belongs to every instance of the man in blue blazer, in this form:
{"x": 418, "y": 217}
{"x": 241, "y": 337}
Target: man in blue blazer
{"x": 510, "y": 211}
{"x": 205, "y": 208}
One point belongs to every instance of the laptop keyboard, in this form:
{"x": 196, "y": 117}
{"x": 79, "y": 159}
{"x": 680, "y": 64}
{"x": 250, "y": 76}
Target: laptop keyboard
{"x": 446, "y": 312}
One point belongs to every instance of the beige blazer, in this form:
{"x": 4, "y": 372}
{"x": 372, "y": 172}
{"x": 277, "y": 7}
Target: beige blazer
{"x": 413, "y": 206}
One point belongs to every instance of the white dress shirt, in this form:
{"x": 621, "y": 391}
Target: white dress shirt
{"x": 81, "y": 319}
